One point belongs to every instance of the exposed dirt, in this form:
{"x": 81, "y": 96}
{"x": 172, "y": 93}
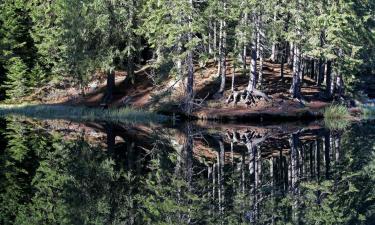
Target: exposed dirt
{"x": 166, "y": 96}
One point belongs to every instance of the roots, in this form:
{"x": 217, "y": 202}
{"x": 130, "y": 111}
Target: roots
{"x": 246, "y": 96}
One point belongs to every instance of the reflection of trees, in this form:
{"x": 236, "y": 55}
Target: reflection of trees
{"x": 306, "y": 176}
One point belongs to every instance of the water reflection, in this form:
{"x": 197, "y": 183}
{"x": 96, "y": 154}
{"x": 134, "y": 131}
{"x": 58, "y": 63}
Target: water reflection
{"x": 61, "y": 172}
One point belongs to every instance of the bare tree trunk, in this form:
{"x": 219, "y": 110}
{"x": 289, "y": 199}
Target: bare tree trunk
{"x": 283, "y": 51}
{"x": 339, "y": 80}
{"x": 321, "y": 72}
{"x": 295, "y": 89}
{"x": 340, "y": 85}
{"x": 321, "y": 62}
{"x": 222, "y": 56}
{"x": 244, "y": 52}
{"x": 110, "y": 86}
{"x": 215, "y": 40}
{"x": 291, "y": 54}
{"x": 130, "y": 54}
{"x": 210, "y": 38}
{"x": 233, "y": 74}
{"x": 190, "y": 73}
{"x": 329, "y": 79}
{"x": 253, "y": 69}
{"x": 260, "y": 50}
{"x": 273, "y": 53}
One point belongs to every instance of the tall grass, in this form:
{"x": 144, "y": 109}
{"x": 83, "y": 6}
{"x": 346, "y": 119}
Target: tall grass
{"x": 80, "y": 113}
{"x": 336, "y": 117}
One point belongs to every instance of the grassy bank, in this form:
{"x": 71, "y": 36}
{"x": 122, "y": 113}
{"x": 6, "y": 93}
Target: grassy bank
{"x": 337, "y": 117}
{"x": 80, "y": 113}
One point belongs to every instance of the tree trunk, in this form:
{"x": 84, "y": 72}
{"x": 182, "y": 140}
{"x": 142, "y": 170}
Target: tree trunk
{"x": 282, "y": 62}
{"x": 340, "y": 85}
{"x": 210, "y": 39}
{"x": 253, "y": 69}
{"x": 291, "y": 54}
{"x": 222, "y": 56}
{"x": 312, "y": 69}
{"x": 223, "y": 63}
{"x": 321, "y": 62}
{"x": 329, "y": 79}
{"x": 190, "y": 72}
{"x": 110, "y": 86}
{"x": 321, "y": 72}
{"x": 215, "y": 40}
{"x": 233, "y": 74}
{"x": 130, "y": 53}
{"x": 295, "y": 89}
{"x": 273, "y": 53}
{"x": 244, "y": 52}
{"x": 260, "y": 51}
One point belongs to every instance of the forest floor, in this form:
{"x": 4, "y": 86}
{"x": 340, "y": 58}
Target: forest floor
{"x": 166, "y": 96}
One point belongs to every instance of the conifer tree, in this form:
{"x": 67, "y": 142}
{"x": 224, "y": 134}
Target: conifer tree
{"x": 18, "y": 53}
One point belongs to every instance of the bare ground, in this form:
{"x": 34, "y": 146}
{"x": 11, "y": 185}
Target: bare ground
{"x": 165, "y": 96}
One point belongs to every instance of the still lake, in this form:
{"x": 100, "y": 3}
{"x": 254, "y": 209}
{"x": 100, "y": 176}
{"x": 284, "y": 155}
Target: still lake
{"x": 65, "y": 172}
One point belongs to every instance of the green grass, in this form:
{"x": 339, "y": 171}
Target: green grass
{"x": 336, "y": 112}
{"x": 336, "y": 117}
{"x": 79, "y": 113}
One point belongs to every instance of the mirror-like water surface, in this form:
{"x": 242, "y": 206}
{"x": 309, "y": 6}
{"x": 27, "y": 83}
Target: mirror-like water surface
{"x": 61, "y": 172}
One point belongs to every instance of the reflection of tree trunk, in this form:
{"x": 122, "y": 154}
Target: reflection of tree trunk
{"x": 327, "y": 143}
{"x": 221, "y": 176}
{"x": 311, "y": 160}
{"x": 337, "y": 148}
{"x": 111, "y": 138}
{"x": 243, "y": 173}
{"x": 214, "y": 181}
{"x": 188, "y": 153}
{"x": 272, "y": 178}
{"x": 317, "y": 155}
{"x": 294, "y": 141}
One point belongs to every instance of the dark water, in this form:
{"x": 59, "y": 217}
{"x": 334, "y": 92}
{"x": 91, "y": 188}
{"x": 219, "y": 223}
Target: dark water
{"x": 61, "y": 172}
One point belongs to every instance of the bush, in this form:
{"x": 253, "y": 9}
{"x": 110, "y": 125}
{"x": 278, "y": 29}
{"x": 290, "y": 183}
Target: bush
{"x": 336, "y": 112}
{"x": 336, "y": 117}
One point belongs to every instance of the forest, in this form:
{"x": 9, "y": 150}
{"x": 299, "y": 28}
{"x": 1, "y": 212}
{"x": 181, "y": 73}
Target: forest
{"x": 250, "y": 51}
{"x": 187, "y": 112}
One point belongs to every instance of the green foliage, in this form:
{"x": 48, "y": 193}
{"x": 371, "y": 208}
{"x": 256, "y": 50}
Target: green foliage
{"x": 336, "y": 117}
{"x": 16, "y": 83}
{"x": 60, "y": 38}
{"x": 336, "y": 112}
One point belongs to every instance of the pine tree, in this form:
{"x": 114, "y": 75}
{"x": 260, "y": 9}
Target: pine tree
{"x": 18, "y": 52}
{"x": 16, "y": 83}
